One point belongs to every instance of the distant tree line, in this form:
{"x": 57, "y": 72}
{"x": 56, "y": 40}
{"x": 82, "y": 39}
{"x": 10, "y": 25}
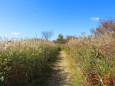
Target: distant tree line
{"x": 62, "y": 40}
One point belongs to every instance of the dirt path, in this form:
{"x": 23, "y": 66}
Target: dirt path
{"x": 61, "y": 74}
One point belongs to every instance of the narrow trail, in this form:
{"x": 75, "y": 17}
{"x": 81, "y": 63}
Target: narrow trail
{"x": 61, "y": 75}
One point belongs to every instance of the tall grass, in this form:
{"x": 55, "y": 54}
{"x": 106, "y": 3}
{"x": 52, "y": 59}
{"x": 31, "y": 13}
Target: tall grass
{"x": 22, "y": 60}
{"x": 95, "y": 56}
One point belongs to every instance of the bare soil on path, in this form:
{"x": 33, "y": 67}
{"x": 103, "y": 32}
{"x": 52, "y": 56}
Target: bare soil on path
{"x": 61, "y": 74}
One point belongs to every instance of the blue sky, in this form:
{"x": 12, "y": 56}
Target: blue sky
{"x": 28, "y": 18}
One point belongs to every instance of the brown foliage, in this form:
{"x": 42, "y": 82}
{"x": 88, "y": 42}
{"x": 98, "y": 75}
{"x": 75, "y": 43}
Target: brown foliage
{"x": 106, "y": 26}
{"x": 69, "y": 38}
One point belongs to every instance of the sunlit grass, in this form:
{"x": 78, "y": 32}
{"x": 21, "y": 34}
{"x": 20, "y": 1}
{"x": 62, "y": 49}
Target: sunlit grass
{"x": 22, "y": 60}
{"x": 94, "y": 55}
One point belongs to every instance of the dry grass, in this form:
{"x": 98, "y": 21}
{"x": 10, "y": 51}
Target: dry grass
{"x": 95, "y": 55}
{"x": 22, "y": 60}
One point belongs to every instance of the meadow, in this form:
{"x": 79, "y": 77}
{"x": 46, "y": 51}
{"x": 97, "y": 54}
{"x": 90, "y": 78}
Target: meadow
{"x": 92, "y": 57}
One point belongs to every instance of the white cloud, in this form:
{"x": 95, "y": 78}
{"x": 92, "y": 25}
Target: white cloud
{"x": 95, "y": 18}
{"x": 16, "y": 33}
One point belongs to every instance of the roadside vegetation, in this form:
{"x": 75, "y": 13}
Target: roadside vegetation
{"x": 23, "y": 60}
{"x": 94, "y": 55}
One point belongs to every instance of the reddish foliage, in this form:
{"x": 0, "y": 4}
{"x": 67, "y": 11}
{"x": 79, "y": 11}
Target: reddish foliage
{"x": 84, "y": 74}
{"x": 106, "y": 81}
{"x": 106, "y": 26}
{"x": 69, "y": 38}
{"x": 93, "y": 79}
{"x": 89, "y": 81}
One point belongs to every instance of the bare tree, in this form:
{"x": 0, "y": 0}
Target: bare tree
{"x": 47, "y": 35}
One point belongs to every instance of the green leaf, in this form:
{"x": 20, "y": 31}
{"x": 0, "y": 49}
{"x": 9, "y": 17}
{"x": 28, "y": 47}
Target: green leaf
{"x": 2, "y": 78}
